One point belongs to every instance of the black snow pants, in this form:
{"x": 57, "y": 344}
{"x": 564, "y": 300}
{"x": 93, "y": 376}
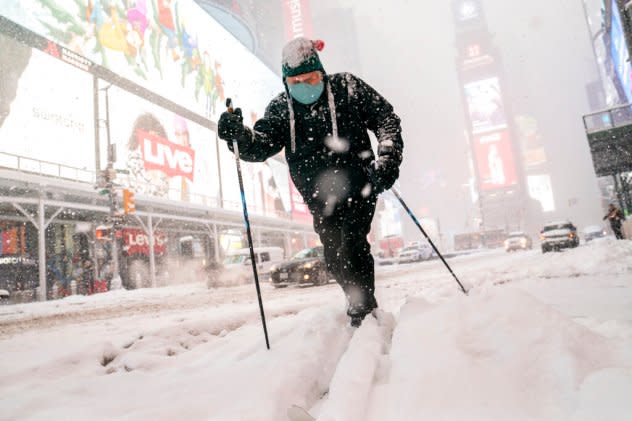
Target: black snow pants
{"x": 348, "y": 256}
{"x": 616, "y": 229}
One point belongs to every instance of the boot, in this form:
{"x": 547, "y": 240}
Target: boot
{"x": 358, "y": 311}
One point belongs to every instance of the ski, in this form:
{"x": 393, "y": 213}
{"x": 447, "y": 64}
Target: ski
{"x": 296, "y": 413}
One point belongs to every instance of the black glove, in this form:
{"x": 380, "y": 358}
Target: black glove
{"x": 382, "y": 174}
{"x": 231, "y": 125}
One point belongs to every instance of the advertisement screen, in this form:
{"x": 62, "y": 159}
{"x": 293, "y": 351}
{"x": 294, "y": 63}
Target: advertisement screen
{"x": 390, "y": 218}
{"x": 160, "y": 153}
{"x": 300, "y": 211}
{"x": 173, "y": 48}
{"x": 541, "y": 190}
{"x": 495, "y": 162}
{"x": 485, "y": 105}
{"x": 33, "y": 125}
{"x": 534, "y": 155}
{"x": 272, "y": 188}
{"x": 467, "y": 10}
{"x": 619, "y": 52}
{"x": 297, "y": 19}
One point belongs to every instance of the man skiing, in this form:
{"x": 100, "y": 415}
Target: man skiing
{"x": 322, "y": 120}
{"x": 616, "y": 218}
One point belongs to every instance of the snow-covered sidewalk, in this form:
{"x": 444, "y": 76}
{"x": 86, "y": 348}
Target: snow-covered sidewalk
{"x": 540, "y": 337}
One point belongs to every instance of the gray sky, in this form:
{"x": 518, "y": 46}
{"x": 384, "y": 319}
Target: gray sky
{"x": 407, "y": 52}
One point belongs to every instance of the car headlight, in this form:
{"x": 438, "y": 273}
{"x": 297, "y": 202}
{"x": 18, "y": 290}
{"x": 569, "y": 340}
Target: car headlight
{"x": 273, "y": 268}
{"x": 523, "y": 241}
{"x": 308, "y": 265}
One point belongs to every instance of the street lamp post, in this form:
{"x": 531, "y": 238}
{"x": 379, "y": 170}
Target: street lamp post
{"x": 110, "y": 175}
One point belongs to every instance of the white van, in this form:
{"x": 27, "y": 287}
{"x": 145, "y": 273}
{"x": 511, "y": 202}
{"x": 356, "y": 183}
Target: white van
{"x": 264, "y": 256}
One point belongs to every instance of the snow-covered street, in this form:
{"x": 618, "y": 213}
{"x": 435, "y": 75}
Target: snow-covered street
{"x": 546, "y": 337}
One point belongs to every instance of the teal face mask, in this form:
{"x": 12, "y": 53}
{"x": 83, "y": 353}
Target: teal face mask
{"x": 306, "y": 93}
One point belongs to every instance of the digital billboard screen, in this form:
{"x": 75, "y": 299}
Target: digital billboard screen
{"x": 619, "y": 52}
{"x": 495, "y": 161}
{"x": 32, "y": 122}
{"x": 485, "y": 106}
{"x": 160, "y": 153}
{"x": 467, "y": 10}
{"x": 540, "y": 189}
{"x": 172, "y": 48}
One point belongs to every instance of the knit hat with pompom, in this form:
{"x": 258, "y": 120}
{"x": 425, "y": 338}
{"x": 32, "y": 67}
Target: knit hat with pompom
{"x": 301, "y": 56}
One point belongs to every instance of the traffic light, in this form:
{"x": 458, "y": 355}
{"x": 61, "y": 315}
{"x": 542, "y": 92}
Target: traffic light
{"x": 103, "y": 232}
{"x": 129, "y": 204}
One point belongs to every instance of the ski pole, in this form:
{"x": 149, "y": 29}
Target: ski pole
{"x": 229, "y": 105}
{"x": 412, "y": 216}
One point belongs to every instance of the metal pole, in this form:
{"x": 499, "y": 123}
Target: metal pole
{"x": 97, "y": 129}
{"x": 116, "y": 282}
{"x": 216, "y": 243}
{"x": 412, "y": 216}
{"x": 41, "y": 248}
{"x": 152, "y": 255}
{"x": 248, "y": 231}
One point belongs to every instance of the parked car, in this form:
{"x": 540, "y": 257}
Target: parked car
{"x": 558, "y": 235}
{"x": 517, "y": 241}
{"x": 415, "y": 253}
{"x": 306, "y": 267}
{"x": 265, "y": 257}
{"x": 4, "y": 296}
{"x": 593, "y": 232}
{"x": 380, "y": 258}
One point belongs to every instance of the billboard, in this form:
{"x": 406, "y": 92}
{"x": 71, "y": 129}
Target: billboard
{"x": 297, "y": 19}
{"x": 272, "y": 180}
{"x": 33, "y": 124}
{"x": 534, "y": 155}
{"x": 173, "y": 48}
{"x": 467, "y": 10}
{"x": 300, "y": 211}
{"x": 160, "y": 153}
{"x": 485, "y": 105}
{"x": 390, "y": 219}
{"x": 494, "y": 159}
{"x": 541, "y": 190}
{"x": 619, "y": 53}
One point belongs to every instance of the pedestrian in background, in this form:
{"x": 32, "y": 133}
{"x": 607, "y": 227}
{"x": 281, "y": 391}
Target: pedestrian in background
{"x": 616, "y": 218}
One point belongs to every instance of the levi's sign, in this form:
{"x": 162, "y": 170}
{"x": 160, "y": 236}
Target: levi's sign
{"x": 168, "y": 157}
{"x": 135, "y": 241}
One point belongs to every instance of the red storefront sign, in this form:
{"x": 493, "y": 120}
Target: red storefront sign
{"x": 170, "y": 158}
{"x": 494, "y": 160}
{"x": 135, "y": 241}
{"x": 297, "y": 18}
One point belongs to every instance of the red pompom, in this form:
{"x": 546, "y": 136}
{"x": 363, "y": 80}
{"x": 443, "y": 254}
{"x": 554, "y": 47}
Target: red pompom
{"x": 319, "y": 44}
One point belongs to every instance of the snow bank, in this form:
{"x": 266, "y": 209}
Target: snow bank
{"x": 499, "y": 355}
{"x": 607, "y": 257}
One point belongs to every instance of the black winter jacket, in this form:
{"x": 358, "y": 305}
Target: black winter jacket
{"x": 318, "y": 165}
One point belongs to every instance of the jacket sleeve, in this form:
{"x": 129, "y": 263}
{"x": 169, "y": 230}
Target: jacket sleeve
{"x": 267, "y": 137}
{"x": 378, "y": 115}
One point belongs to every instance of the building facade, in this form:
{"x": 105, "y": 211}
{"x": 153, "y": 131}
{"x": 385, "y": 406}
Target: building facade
{"x": 128, "y": 99}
